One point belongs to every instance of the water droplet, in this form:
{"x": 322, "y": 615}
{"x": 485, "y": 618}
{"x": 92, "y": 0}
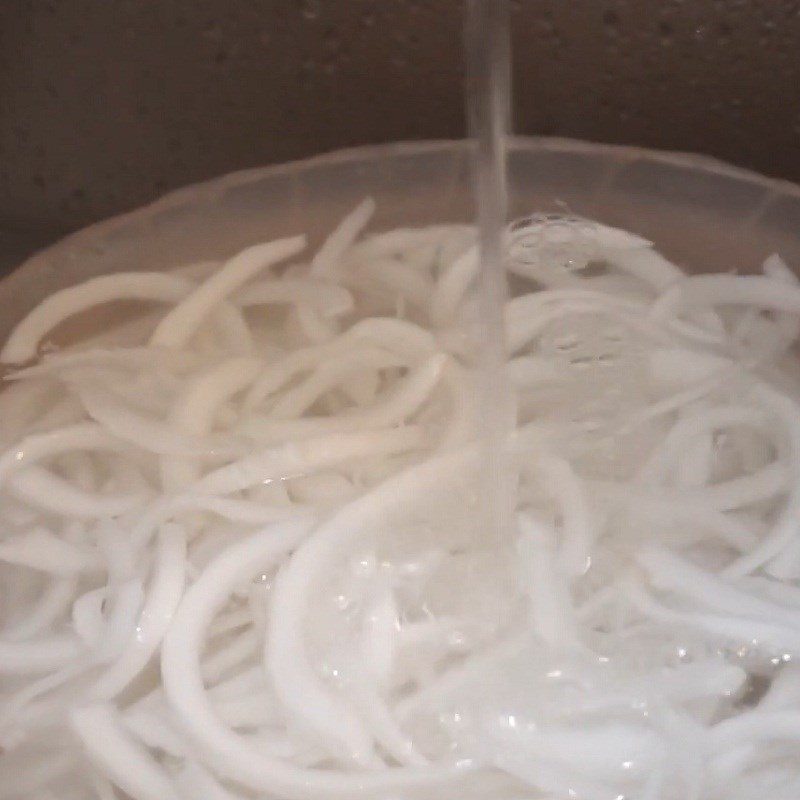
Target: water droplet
{"x": 554, "y": 673}
{"x": 341, "y": 601}
{"x": 212, "y": 31}
{"x": 610, "y": 18}
{"x": 508, "y": 721}
{"x": 310, "y": 9}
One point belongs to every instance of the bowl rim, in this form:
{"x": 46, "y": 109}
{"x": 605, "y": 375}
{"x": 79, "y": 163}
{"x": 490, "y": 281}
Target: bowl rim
{"x": 208, "y": 189}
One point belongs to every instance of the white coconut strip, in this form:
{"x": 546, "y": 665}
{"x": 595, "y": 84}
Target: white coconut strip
{"x": 23, "y": 343}
{"x": 292, "y": 675}
{"x": 41, "y": 550}
{"x": 669, "y": 572}
{"x": 720, "y": 290}
{"x": 118, "y": 756}
{"x": 46, "y": 491}
{"x": 397, "y": 405}
{"x": 398, "y": 278}
{"x": 327, "y": 259}
{"x": 330, "y": 299}
{"x": 52, "y": 605}
{"x": 180, "y": 324}
{"x": 38, "y": 655}
{"x": 231, "y": 755}
{"x": 195, "y": 409}
{"x": 787, "y": 524}
{"x": 161, "y": 601}
{"x": 31, "y": 449}
{"x": 306, "y": 456}
{"x": 147, "y": 432}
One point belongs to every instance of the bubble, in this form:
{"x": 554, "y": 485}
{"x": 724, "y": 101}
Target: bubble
{"x": 310, "y": 9}
{"x": 552, "y": 242}
{"x": 604, "y": 379}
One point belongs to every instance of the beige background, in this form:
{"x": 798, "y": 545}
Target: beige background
{"x": 105, "y": 104}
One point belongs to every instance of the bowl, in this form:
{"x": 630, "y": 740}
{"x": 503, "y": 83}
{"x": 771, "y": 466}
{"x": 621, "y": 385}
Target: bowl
{"x": 701, "y": 213}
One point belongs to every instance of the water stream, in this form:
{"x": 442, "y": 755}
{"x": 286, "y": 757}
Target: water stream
{"x": 488, "y": 99}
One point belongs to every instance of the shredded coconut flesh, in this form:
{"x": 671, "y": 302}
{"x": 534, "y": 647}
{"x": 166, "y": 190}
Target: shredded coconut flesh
{"x": 241, "y": 552}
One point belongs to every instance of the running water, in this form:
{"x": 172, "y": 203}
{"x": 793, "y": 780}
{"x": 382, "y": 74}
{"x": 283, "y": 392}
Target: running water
{"x": 488, "y": 96}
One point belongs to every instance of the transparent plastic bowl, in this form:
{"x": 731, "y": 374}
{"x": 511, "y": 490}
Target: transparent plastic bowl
{"x": 702, "y": 213}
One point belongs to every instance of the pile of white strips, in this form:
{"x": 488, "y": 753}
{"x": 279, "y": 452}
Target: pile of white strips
{"x": 241, "y": 552}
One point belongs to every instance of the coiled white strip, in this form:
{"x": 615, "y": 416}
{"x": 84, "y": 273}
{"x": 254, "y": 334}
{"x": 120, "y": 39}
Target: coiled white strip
{"x": 243, "y": 555}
